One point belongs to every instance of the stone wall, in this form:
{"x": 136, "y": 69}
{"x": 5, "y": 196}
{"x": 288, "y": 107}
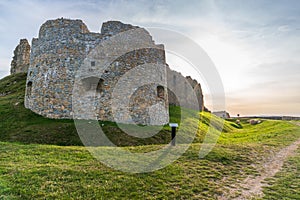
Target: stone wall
{"x": 115, "y": 27}
{"x": 118, "y": 75}
{"x": 184, "y": 91}
{"x": 20, "y": 62}
{"x": 65, "y": 46}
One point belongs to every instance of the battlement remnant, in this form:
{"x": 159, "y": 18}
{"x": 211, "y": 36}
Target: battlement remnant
{"x": 20, "y": 62}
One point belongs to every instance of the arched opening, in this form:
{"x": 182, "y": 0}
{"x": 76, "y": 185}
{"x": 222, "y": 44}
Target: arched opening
{"x": 160, "y": 92}
{"x": 29, "y": 88}
{"x": 93, "y": 84}
{"x": 100, "y": 85}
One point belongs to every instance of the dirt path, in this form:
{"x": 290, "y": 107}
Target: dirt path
{"x": 252, "y": 186}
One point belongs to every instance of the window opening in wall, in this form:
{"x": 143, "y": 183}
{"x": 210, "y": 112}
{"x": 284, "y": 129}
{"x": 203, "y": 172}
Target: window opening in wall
{"x": 100, "y": 85}
{"x": 160, "y": 91}
{"x": 29, "y": 88}
{"x": 93, "y": 84}
{"x": 93, "y": 63}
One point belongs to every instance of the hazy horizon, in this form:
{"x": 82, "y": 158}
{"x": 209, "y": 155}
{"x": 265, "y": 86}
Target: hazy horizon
{"x": 254, "y": 45}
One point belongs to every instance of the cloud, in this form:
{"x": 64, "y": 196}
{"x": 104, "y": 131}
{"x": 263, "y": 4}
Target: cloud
{"x": 267, "y": 97}
{"x": 22, "y": 19}
{"x": 283, "y": 71}
{"x": 254, "y": 44}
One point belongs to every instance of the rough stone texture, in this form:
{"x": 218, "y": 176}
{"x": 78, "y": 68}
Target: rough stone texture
{"x": 76, "y": 73}
{"x": 184, "y": 88}
{"x": 115, "y": 27}
{"x": 66, "y": 45}
{"x": 20, "y": 62}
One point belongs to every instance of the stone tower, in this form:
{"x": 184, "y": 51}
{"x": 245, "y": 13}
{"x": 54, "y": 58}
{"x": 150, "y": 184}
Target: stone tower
{"x": 65, "y": 46}
{"x": 20, "y": 62}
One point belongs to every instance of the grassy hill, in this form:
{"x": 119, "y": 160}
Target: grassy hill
{"x": 37, "y": 171}
{"x": 19, "y": 124}
{"x": 31, "y": 167}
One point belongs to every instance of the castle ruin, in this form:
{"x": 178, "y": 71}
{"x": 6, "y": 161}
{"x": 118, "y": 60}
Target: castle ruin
{"x": 21, "y": 59}
{"x": 65, "y": 46}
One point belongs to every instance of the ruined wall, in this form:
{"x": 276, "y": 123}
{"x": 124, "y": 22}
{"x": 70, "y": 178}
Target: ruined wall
{"x": 184, "y": 88}
{"x": 21, "y": 58}
{"x": 55, "y": 56}
{"x": 62, "y": 48}
{"x": 122, "y": 80}
{"x": 72, "y": 69}
{"x": 114, "y": 27}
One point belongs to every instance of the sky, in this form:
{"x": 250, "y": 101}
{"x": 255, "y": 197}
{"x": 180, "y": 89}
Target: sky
{"x": 255, "y": 45}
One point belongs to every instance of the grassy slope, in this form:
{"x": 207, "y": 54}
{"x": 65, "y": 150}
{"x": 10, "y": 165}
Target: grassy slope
{"x": 22, "y": 125}
{"x": 54, "y": 172}
{"x": 36, "y": 171}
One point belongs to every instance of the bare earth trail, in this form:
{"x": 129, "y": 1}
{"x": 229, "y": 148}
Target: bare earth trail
{"x": 252, "y": 186}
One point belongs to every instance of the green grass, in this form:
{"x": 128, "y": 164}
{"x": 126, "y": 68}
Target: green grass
{"x": 33, "y": 166}
{"x": 286, "y": 182}
{"x": 53, "y": 172}
{"x": 270, "y": 132}
{"x": 19, "y": 124}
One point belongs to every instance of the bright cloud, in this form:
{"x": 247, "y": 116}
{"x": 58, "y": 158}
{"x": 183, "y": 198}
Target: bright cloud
{"x": 255, "y": 45}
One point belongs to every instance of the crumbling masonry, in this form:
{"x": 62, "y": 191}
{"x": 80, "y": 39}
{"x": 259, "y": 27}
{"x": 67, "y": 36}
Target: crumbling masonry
{"x": 66, "y": 46}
